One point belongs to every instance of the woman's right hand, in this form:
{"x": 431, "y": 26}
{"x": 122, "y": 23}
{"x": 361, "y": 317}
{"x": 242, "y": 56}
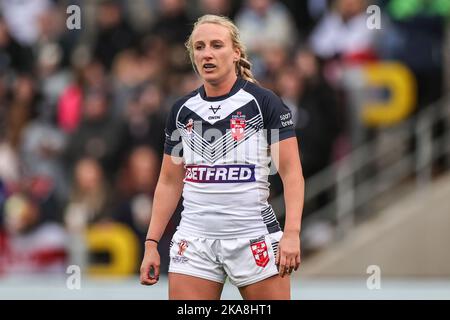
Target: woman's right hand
{"x": 150, "y": 264}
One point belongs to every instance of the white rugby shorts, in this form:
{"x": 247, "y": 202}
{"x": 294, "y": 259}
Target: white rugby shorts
{"x": 243, "y": 260}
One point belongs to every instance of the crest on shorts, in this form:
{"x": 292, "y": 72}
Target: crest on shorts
{"x": 237, "y": 126}
{"x": 180, "y": 258}
{"x": 259, "y": 251}
{"x": 182, "y": 245}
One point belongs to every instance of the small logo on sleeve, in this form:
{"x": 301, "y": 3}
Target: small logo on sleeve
{"x": 286, "y": 120}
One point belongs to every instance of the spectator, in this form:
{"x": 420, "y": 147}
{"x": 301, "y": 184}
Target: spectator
{"x": 263, "y": 25}
{"x": 23, "y": 108}
{"x": 13, "y": 56}
{"x": 263, "y": 22}
{"x": 41, "y": 150}
{"x": 16, "y": 12}
{"x": 137, "y": 186}
{"x": 173, "y": 23}
{"x": 42, "y": 189}
{"x": 145, "y": 119}
{"x": 131, "y": 70}
{"x": 274, "y": 58}
{"x": 90, "y": 200}
{"x": 342, "y": 33}
{"x": 136, "y": 189}
{"x": 318, "y": 115}
{"x": 99, "y": 135}
{"x": 114, "y": 33}
{"x": 28, "y": 245}
{"x": 418, "y": 28}
{"x": 52, "y": 79}
{"x": 314, "y": 113}
{"x": 91, "y": 76}
{"x": 306, "y": 14}
{"x": 141, "y": 13}
{"x": 9, "y": 164}
{"x": 53, "y": 31}
{"x": 189, "y": 82}
{"x": 217, "y": 7}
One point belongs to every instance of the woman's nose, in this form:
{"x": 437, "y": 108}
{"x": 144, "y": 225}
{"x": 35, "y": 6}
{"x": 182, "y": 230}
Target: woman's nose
{"x": 207, "y": 52}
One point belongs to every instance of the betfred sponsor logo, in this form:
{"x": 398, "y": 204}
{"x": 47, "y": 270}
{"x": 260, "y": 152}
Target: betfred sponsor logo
{"x": 220, "y": 174}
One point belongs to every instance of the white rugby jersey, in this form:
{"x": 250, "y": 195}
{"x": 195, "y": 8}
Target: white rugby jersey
{"x": 225, "y": 145}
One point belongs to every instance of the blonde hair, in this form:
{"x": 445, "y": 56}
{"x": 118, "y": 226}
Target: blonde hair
{"x": 243, "y": 65}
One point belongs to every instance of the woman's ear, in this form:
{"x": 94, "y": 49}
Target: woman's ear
{"x": 237, "y": 55}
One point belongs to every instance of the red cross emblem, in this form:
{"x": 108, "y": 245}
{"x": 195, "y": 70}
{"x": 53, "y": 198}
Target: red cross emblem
{"x": 259, "y": 250}
{"x": 237, "y": 125}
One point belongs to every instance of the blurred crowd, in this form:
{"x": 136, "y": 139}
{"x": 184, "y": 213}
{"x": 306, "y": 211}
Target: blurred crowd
{"x": 82, "y": 112}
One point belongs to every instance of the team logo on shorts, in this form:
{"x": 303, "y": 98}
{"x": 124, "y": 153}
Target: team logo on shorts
{"x": 180, "y": 258}
{"x": 182, "y": 245}
{"x": 259, "y": 250}
{"x": 237, "y": 125}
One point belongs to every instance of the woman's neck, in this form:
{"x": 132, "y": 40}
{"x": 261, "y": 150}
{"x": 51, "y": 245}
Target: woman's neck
{"x": 220, "y": 88}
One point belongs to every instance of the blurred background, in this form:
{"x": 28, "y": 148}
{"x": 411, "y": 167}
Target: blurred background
{"x": 82, "y": 116}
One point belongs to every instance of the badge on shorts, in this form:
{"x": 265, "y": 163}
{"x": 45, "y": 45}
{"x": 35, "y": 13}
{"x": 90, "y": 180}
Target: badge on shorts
{"x": 182, "y": 245}
{"x": 180, "y": 258}
{"x": 259, "y": 250}
{"x": 237, "y": 125}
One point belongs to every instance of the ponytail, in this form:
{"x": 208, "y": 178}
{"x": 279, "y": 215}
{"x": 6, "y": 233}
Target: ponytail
{"x": 243, "y": 68}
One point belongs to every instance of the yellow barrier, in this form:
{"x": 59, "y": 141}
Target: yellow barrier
{"x": 401, "y": 83}
{"x": 120, "y": 242}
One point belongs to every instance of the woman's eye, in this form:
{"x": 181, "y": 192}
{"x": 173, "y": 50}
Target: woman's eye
{"x": 217, "y": 46}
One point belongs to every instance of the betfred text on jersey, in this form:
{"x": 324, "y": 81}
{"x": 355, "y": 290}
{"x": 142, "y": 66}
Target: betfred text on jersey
{"x": 220, "y": 174}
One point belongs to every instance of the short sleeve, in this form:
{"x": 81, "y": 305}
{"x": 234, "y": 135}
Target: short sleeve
{"x": 173, "y": 143}
{"x": 277, "y": 119}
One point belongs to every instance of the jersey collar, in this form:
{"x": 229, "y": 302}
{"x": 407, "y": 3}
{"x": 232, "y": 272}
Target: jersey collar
{"x": 238, "y": 84}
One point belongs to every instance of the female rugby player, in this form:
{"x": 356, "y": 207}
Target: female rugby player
{"x": 220, "y": 142}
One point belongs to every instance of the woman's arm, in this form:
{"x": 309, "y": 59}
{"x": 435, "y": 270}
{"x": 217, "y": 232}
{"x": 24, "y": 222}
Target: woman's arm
{"x": 285, "y": 155}
{"x": 167, "y": 194}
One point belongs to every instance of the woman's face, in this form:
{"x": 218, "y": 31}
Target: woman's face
{"x": 214, "y": 55}
{"x": 88, "y": 175}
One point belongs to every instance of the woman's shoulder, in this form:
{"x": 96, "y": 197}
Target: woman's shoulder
{"x": 261, "y": 94}
{"x": 179, "y": 102}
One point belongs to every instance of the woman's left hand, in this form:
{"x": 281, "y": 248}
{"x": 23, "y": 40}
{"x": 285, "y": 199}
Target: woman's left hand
{"x": 288, "y": 257}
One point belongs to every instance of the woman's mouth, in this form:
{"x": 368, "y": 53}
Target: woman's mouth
{"x": 209, "y": 67}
